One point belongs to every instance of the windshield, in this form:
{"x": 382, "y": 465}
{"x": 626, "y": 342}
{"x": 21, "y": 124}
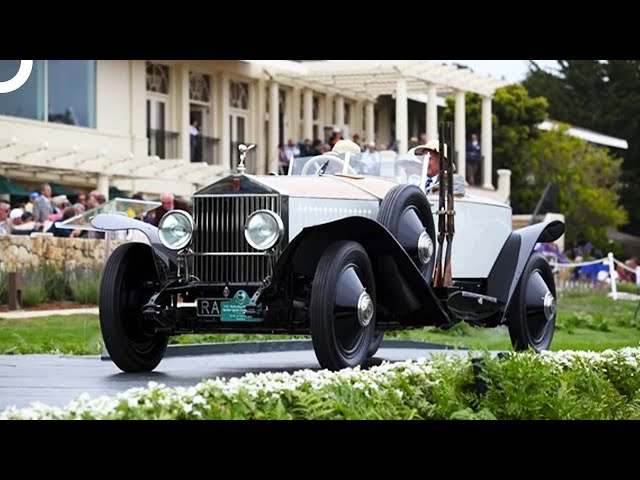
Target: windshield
{"x": 387, "y": 164}
{"x": 124, "y": 206}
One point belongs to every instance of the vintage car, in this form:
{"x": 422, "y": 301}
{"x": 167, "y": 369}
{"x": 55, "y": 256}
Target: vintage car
{"x": 326, "y": 251}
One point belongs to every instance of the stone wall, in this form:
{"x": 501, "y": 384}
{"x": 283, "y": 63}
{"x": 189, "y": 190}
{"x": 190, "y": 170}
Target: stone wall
{"x": 19, "y": 253}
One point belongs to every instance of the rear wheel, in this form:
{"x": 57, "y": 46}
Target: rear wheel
{"x": 132, "y": 344}
{"x": 532, "y": 314}
{"x": 343, "y": 306}
{"x": 406, "y": 213}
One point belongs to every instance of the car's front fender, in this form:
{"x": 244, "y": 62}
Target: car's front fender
{"x": 400, "y": 286}
{"x": 509, "y": 265}
{"x": 112, "y": 222}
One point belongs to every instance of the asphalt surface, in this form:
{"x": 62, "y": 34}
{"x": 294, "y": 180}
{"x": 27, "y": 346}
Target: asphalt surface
{"x": 55, "y": 380}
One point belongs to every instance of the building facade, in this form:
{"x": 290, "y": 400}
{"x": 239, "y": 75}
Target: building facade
{"x": 132, "y": 124}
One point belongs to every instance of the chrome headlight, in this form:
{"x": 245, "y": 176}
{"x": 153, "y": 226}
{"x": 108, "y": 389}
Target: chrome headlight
{"x": 263, "y": 229}
{"x": 176, "y": 229}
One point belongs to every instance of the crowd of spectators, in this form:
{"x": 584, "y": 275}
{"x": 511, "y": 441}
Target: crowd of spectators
{"x": 40, "y": 212}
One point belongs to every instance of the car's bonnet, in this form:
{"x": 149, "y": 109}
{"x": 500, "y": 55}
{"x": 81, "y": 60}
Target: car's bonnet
{"x": 326, "y": 186}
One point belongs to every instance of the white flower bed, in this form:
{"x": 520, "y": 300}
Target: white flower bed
{"x": 389, "y": 379}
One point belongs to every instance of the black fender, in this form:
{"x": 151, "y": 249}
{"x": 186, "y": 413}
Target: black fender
{"x": 115, "y": 222}
{"x": 509, "y": 265}
{"x": 400, "y": 287}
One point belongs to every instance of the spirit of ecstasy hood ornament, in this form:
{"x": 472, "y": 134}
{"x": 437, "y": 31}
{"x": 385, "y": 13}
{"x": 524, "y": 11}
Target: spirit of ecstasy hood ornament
{"x": 243, "y": 155}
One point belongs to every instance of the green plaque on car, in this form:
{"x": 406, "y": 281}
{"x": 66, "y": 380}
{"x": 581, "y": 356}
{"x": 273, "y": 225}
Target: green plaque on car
{"x": 232, "y": 310}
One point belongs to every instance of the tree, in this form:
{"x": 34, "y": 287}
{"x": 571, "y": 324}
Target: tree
{"x": 602, "y": 96}
{"x": 514, "y": 118}
{"x": 588, "y": 179}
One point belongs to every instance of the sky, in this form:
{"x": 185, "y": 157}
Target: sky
{"x": 511, "y": 70}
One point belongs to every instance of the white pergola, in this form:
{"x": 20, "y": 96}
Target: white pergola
{"x": 366, "y": 80}
{"x": 99, "y": 168}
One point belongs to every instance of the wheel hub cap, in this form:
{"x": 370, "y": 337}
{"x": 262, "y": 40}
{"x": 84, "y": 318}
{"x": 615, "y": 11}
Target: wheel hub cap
{"x": 549, "y": 306}
{"x": 425, "y": 248}
{"x": 365, "y": 309}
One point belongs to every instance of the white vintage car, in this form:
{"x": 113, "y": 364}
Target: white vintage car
{"x": 342, "y": 248}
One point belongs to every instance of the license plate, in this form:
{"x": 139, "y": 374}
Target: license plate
{"x": 225, "y": 309}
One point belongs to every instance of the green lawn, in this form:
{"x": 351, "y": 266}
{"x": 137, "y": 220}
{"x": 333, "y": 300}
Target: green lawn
{"x": 68, "y": 334}
{"x": 586, "y": 322}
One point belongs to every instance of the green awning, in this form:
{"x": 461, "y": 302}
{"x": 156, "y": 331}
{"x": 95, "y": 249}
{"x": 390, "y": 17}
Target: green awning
{"x": 115, "y": 192}
{"x": 57, "y": 189}
{"x": 8, "y": 187}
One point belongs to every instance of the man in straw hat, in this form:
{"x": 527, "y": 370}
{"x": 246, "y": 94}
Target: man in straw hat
{"x": 432, "y": 147}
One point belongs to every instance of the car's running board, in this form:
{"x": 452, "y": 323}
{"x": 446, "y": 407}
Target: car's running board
{"x": 473, "y": 306}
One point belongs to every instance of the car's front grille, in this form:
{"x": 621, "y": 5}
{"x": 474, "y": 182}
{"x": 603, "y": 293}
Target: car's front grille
{"x": 219, "y": 227}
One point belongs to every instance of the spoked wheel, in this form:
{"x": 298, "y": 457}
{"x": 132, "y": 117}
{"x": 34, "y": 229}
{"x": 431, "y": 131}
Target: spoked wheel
{"x": 132, "y": 344}
{"x": 343, "y": 306}
{"x": 532, "y": 314}
{"x": 406, "y": 213}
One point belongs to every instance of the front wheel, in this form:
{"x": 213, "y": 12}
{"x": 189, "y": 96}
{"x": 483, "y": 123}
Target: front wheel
{"x": 342, "y": 309}
{"x": 532, "y": 314}
{"x": 132, "y": 344}
{"x": 376, "y": 341}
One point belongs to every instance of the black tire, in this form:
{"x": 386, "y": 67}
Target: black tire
{"x": 532, "y": 324}
{"x": 406, "y": 212}
{"x": 340, "y": 339}
{"x": 376, "y": 341}
{"x": 131, "y": 344}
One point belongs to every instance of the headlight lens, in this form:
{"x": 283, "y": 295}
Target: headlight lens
{"x": 176, "y": 229}
{"x": 263, "y": 229}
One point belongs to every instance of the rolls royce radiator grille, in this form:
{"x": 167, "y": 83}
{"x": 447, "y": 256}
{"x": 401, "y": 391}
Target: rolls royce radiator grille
{"x": 219, "y": 227}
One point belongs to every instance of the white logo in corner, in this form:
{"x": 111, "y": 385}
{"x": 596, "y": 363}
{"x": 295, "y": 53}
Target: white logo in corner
{"x": 19, "y": 79}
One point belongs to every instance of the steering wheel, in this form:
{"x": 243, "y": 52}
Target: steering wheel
{"x": 318, "y": 161}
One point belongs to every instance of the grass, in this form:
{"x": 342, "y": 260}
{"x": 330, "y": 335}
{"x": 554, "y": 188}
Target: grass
{"x": 585, "y": 322}
{"x": 67, "y": 334}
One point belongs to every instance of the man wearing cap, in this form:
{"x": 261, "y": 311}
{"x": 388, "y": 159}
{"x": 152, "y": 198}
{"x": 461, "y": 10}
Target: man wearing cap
{"x": 30, "y": 204}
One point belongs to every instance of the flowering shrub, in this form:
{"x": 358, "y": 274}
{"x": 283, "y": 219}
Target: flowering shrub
{"x": 518, "y": 386}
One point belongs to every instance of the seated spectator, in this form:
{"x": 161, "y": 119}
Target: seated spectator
{"x": 16, "y": 216}
{"x": 68, "y": 213}
{"x": 169, "y": 202}
{"x": 5, "y": 221}
{"x": 26, "y": 226}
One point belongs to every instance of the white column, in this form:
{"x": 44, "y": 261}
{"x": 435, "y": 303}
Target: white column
{"x": 294, "y": 125}
{"x": 485, "y": 144}
{"x": 402, "y": 129}
{"x": 103, "y": 185}
{"x": 460, "y": 134}
{"x": 504, "y": 185}
{"x": 223, "y": 119}
{"x": 328, "y": 109}
{"x": 339, "y": 120}
{"x": 369, "y": 123}
{"x": 261, "y": 151}
{"x": 307, "y": 114}
{"x": 182, "y": 117}
{"x": 432, "y": 112}
{"x": 137, "y": 105}
{"x": 274, "y": 115}
{"x": 356, "y": 120}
